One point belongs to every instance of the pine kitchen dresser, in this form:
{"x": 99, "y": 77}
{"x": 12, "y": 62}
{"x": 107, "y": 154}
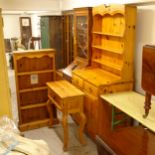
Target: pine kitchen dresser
{"x": 111, "y": 67}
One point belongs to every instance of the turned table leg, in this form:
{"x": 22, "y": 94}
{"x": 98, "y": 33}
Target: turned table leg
{"x": 81, "y": 128}
{"x": 147, "y": 106}
{"x": 50, "y": 111}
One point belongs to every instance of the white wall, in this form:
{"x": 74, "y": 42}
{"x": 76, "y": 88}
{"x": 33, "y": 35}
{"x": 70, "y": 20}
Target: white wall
{"x": 11, "y": 26}
{"x": 145, "y": 35}
{"x": 40, "y": 5}
{"x": 13, "y": 9}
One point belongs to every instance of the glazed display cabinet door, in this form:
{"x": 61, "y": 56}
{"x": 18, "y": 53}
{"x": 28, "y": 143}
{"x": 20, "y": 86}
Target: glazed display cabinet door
{"x": 81, "y": 34}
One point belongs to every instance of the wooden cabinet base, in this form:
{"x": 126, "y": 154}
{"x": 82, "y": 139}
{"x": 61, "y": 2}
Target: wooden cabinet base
{"x": 127, "y": 141}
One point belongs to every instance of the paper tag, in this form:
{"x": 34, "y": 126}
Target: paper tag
{"x": 34, "y": 78}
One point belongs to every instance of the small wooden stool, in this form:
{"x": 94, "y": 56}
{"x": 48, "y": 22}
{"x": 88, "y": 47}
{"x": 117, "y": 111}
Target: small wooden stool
{"x": 69, "y": 100}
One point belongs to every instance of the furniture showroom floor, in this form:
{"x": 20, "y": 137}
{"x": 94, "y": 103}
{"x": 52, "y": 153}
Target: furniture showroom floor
{"x": 53, "y": 136}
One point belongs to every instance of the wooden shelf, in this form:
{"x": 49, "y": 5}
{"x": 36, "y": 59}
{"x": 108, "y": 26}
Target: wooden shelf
{"x": 33, "y": 69}
{"x": 116, "y": 68}
{"x": 117, "y": 51}
{"x": 35, "y": 72}
{"x": 34, "y": 124}
{"x": 33, "y": 106}
{"x": 108, "y": 34}
{"x": 32, "y": 89}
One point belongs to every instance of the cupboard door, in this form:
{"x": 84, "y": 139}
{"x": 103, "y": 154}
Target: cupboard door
{"x": 51, "y": 36}
{"x": 91, "y": 112}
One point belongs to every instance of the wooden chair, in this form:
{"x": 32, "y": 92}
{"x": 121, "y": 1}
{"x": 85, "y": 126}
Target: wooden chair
{"x": 34, "y": 43}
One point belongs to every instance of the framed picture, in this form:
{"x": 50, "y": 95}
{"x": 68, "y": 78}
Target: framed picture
{"x": 25, "y": 22}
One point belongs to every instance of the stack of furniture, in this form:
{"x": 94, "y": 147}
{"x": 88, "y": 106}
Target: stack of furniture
{"x": 111, "y": 68}
{"x": 32, "y": 70}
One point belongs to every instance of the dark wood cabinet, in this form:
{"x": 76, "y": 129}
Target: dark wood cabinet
{"x": 51, "y": 36}
{"x": 68, "y": 33}
{"x": 148, "y": 75}
{"x": 127, "y": 141}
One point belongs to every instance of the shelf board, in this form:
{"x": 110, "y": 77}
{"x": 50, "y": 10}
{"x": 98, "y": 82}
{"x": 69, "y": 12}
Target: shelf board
{"x": 113, "y": 66}
{"x": 108, "y": 34}
{"x": 117, "y": 51}
{"x": 32, "y": 89}
{"x": 33, "y": 106}
{"x": 35, "y": 72}
{"x": 34, "y": 124}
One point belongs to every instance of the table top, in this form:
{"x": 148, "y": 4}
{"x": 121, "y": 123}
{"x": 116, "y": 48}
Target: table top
{"x": 132, "y": 104}
{"x": 64, "y": 89}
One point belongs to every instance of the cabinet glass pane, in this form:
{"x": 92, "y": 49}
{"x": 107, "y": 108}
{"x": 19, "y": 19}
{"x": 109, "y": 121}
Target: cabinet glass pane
{"x": 82, "y": 27}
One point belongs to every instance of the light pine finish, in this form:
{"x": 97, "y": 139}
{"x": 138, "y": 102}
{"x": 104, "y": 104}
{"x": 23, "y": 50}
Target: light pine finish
{"x": 113, "y": 39}
{"x": 5, "y": 104}
{"x": 132, "y": 104}
{"x": 111, "y": 68}
{"x": 68, "y": 99}
{"x": 31, "y": 94}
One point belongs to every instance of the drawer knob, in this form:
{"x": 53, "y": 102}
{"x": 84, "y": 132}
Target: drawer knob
{"x": 90, "y": 89}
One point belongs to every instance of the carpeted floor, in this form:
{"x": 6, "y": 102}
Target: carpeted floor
{"x": 54, "y": 138}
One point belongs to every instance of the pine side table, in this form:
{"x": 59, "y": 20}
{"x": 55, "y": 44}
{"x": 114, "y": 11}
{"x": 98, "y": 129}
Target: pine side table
{"x": 69, "y": 100}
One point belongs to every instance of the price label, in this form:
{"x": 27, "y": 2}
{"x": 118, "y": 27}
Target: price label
{"x": 34, "y": 78}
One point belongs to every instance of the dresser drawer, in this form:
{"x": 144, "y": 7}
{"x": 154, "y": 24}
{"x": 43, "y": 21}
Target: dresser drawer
{"x": 90, "y": 89}
{"x": 77, "y": 81}
{"x": 55, "y": 98}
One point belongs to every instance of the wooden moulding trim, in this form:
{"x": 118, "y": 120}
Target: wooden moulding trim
{"x": 35, "y": 72}
{"x": 113, "y": 13}
{"x": 32, "y": 56}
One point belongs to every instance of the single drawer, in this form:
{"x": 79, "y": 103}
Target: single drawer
{"x": 77, "y": 81}
{"x": 55, "y": 99}
{"x": 90, "y": 89}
